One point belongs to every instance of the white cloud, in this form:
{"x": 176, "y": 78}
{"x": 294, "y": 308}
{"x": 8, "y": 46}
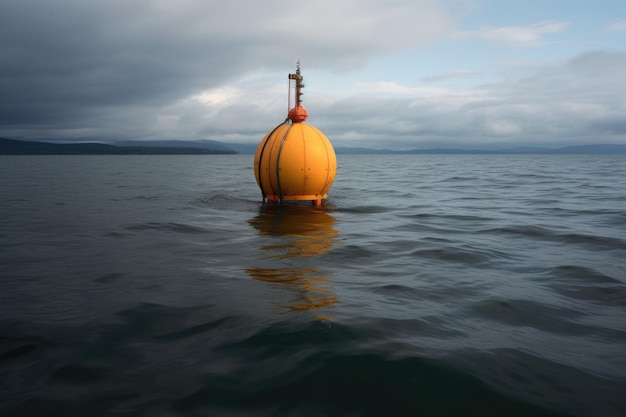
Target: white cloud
{"x": 394, "y": 89}
{"x": 217, "y": 96}
{"x": 571, "y": 101}
{"x": 502, "y": 127}
{"x": 217, "y": 70}
{"x": 531, "y": 35}
{"x": 618, "y": 26}
{"x": 78, "y": 60}
{"x": 448, "y": 76}
{"x": 576, "y": 100}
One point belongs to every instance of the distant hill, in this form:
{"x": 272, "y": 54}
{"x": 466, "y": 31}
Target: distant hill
{"x": 593, "y": 149}
{"x": 19, "y": 147}
{"x": 579, "y": 150}
{"x": 583, "y": 149}
{"x": 200, "y": 144}
{"x": 244, "y": 148}
{"x": 196, "y": 147}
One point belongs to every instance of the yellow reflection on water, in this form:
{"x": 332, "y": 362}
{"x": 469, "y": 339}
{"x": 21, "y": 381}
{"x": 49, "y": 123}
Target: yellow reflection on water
{"x": 301, "y": 234}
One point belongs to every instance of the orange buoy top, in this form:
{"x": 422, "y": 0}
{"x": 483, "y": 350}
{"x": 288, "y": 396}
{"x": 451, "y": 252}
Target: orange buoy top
{"x": 298, "y": 114}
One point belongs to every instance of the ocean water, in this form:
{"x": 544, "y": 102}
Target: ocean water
{"x": 427, "y": 285}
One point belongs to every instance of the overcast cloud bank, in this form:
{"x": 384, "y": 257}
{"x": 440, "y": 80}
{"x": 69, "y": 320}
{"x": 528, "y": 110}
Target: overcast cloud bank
{"x": 150, "y": 69}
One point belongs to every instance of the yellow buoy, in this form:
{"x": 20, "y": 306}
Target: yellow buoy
{"x": 295, "y": 161}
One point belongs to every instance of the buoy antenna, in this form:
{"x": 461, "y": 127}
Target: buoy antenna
{"x": 298, "y": 113}
{"x": 297, "y": 77}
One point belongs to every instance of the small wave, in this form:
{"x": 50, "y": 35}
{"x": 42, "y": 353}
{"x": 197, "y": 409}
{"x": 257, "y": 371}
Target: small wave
{"x": 619, "y": 219}
{"x": 109, "y": 278}
{"x": 227, "y": 201}
{"x": 453, "y": 255}
{"x": 403, "y": 295}
{"x": 172, "y": 227}
{"x": 16, "y": 351}
{"x": 353, "y": 252}
{"x": 456, "y": 179}
{"x": 587, "y": 284}
{"x": 593, "y": 242}
{"x": 365, "y": 209}
{"x": 544, "y": 382}
{"x": 530, "y": 231}
{"x": 16, "y": 341}
{"x": 396, "y": 289}
{"x": 519, "y": 312}
{"x": 580, "y": 273}
{"x": 359, "y": 384}
{"x": 139, "y": 198}
{"x": 77, "y": 374}
{"x": 456, "y": 217}
{"x": 191, "y": 331}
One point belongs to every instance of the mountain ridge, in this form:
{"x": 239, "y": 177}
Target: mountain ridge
{"x": 19, "y": 147}
{"x": 205, "y": 146}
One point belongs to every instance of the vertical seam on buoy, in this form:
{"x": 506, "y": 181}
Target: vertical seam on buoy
{"x": 327, "y": 161}
{"x": 261, "y": 157}
{"x": 280, "y": 148}
{"x": 304, "y": 159}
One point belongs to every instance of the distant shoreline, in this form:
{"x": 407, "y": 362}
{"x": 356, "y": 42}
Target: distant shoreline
{"x": 205, "y": 147}
{"x": 600, "y": 149}
{"x": 18, "y": 147}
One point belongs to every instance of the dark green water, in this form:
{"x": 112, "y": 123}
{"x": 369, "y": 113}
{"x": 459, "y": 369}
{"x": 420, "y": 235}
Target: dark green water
{"x": 427, "y": 285}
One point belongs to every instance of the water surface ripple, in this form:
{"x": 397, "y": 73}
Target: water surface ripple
{"x": 427, "y": 285}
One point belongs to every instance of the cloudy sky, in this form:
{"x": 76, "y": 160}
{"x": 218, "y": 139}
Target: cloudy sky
{"x": 378, "y": 73}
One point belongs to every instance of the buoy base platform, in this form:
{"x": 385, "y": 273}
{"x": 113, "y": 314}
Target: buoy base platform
{"x": 316, "y": 200}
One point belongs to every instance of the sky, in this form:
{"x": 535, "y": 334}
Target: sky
{"x": 399, "y": 74}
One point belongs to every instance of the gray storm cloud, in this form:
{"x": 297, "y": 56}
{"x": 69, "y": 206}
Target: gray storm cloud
{"x": 108, "y": 70}
{"x": 75, "y": 65}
